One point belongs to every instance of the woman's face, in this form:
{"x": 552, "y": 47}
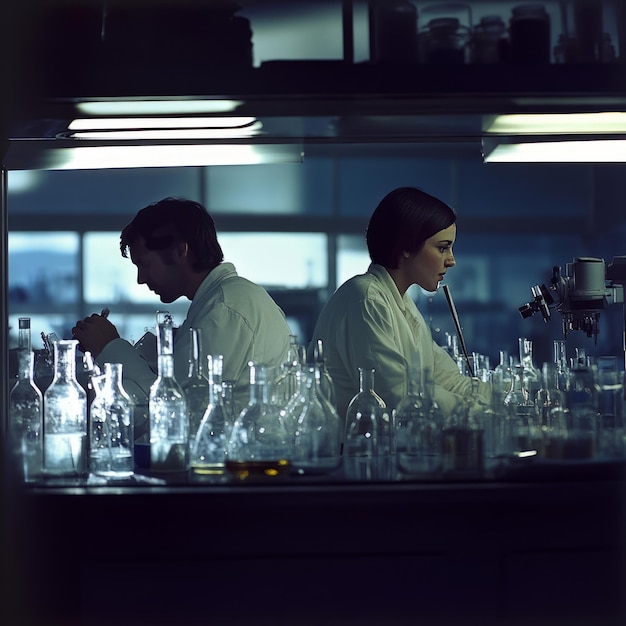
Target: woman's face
{"x": 428, "y": 267}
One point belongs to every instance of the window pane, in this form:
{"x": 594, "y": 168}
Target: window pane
{"x": 352, "y": 257}
{"x": 109, "y": 277}
{"x": 287, "y": 260}
{"x": 43, "y": 269}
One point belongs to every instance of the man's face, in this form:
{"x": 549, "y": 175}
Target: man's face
{"x": 162, "y": 271}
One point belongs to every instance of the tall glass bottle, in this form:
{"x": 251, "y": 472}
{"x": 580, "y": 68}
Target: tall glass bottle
{"x": 26, "y": 420}
{"x": 532, "y": 375}
{"x": 463, "y": 436}
{"x": 326, "y": 385}
{"x": 285, "y": 382}
{"x": 367, "y": 439}
{"x": 196, "y": 385}
{"x": 259, "y": 443}
{"x": 552, "y": 412}
{"x": 418, "y": 427}
{"x": 228, "y": 400}
{"x": 582, "y": 403}
{"x": 111, "y": 434}
{"x": 521, "y": 414}
{"x": 208, "y": 447}
{"x": 65, "y": 417}
{"x": 169, "y": 418}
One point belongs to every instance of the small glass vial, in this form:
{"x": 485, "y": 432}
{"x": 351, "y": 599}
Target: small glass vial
{"x": 65, "y": 417}
{"x": 26, "y": 420}
{"x": 112, "y": 438}
{"x": 169, "y": 418}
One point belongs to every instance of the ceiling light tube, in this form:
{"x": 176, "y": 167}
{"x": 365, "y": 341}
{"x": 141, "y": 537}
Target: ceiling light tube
{"x": 558, "y": 123}
{"x": 554, "y": 151}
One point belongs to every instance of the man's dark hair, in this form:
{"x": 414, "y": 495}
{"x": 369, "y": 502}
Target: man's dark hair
{"x": 165, "y": 223}
{"x": 403, "y": 220}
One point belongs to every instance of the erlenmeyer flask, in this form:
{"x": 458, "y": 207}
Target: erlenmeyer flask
{"x": 208, "y": 447}
{"x": 316, "y": 427}
{"x": 259, "y": 443}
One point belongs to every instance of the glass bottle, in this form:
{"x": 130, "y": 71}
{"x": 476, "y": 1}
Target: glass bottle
{"x": 582, "y": 403}
{"x": 562, "y": 371}
{"x": 418, "y": 427}
{"x": 196, "y": 385}
{"x": 610, "y": 393}
{"x": 228, "y": 401}
{"x": 463, "y": 440}
{"x": 367, "y": 439}
{"x": 65, "y": 417}
{"x": 169, "y": 418}
{"x": 315, "y": 425}
{"x": 26, "y": 419}
{"x": 532, "y": 375}
{"x": 259, "y": 444}
{"x": 285, "y": 382}
{"x": 326, "y": 385}
{"x": 552, "y": 411}
{"x": 529, "y": 31}
{"x": 521, "y": 414}
{"x": 111, "y": 434}
{"x": 208, "y": 447}
{"x": 23, "y": 334}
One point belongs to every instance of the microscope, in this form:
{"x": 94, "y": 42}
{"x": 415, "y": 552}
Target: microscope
{"x": 588, "y": 287}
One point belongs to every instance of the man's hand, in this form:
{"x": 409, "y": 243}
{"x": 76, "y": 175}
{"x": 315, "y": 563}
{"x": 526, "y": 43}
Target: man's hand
{"x": 93, "y": 333}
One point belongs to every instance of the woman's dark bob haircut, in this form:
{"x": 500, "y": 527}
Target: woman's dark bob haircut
{"x": 403, "y": 220}
{"x": 170, "y": 221}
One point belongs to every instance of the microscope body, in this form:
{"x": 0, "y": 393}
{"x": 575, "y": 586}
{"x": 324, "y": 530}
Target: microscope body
{"x": 588, "y": 287}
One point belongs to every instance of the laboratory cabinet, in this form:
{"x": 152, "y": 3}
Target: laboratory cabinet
{"x": 547, "y": 551}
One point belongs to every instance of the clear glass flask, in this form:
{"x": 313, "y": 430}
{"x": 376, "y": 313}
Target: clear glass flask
{"x": 196, "y": 385}
{"x": 65, "y": 417}
{"x": 523, "y": 420}
{"x": 260, "y": 444}
{"x": 367, "y": 440}
{"x": 208, "y": 447}
{"x": 26, "y": 420}
{"x": 463, "y": 437}
{"x": 111, "y": 427}
{"x": 326, "y": 385}
{"x": 169, "y": 417}
{"x": 285, "y": 381}
{"x": 315, "y": 425}
{"x": 418, "y": 428}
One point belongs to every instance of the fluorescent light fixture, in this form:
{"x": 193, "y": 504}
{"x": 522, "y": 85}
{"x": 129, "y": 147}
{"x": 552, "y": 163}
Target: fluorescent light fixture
{"x": 559, "y": 123}
{"x": 156, "y": 107}
{"x": 141, "y": 123}
{"x": 569, "y": 151}
{"x": 163, "y": 128}
{"x": 112, "y": 157}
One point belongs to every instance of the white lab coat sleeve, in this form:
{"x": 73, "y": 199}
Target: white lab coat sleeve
{"x": 137, "y": 376}
{"x": 450, "y": 385}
